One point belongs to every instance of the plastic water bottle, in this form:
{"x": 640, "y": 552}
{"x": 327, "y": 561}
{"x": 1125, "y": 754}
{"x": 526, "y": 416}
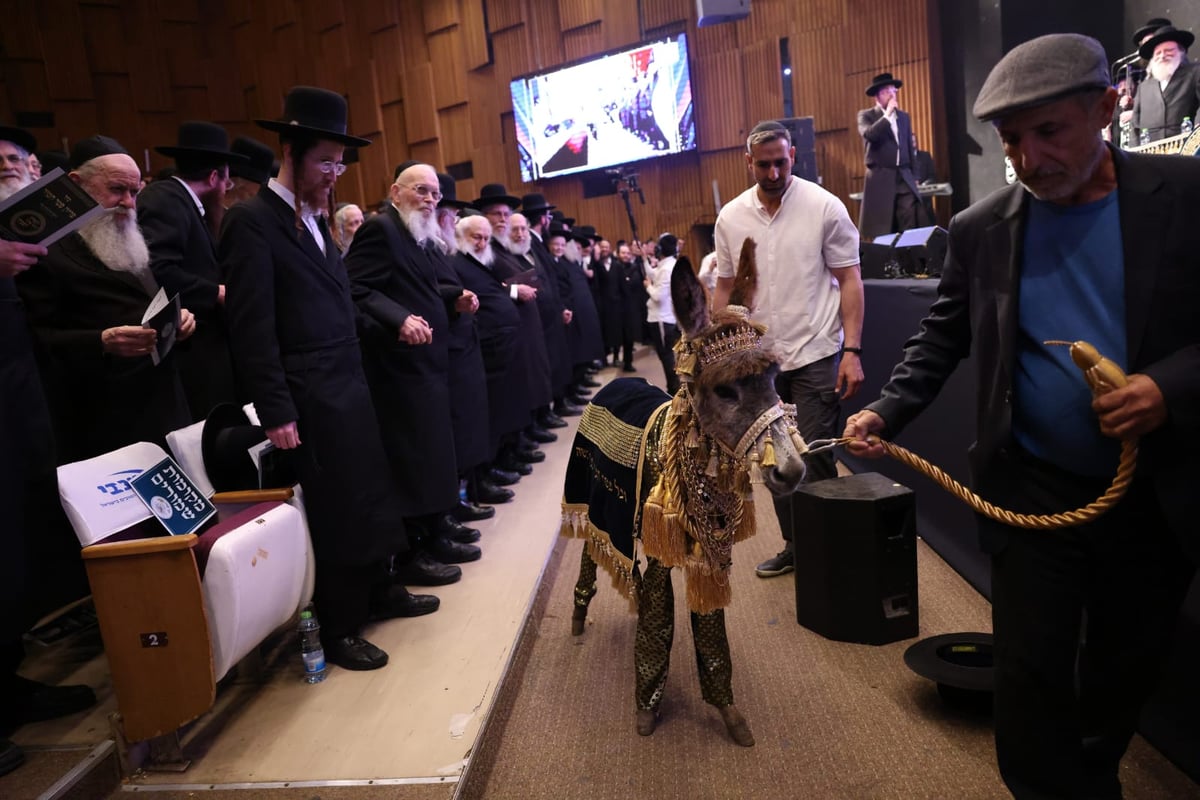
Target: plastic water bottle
{"x": 1145, "y": 136}
{"x": 1126, "y": 135}
{"x": 1185, "y": 127}
{"x": 311, "y": 651}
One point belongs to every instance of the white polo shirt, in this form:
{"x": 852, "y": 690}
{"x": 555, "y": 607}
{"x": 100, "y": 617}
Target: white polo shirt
{"x": 798, "y": 298}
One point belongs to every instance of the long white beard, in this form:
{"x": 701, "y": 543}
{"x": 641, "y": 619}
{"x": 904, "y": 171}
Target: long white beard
{"x": 1165, "y": 70}
{"x": 517, "y": 248}
{"x": 422, "y": 226}
{"x": 486, "y": 257}
{"x": 115, "y": 238}
{"x": 447, "y": 239}
{"x": 10, "y": 186}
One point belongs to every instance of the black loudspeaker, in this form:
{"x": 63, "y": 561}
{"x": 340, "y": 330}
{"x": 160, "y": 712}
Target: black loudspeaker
{"x": 921, "y": 251}
{"x": 803, "y": 132}
{"x": 856, "y": 559}
{"x": 805, "y": 166}
{"x": 599, "y": 184}
{"x": 878, "y": 260}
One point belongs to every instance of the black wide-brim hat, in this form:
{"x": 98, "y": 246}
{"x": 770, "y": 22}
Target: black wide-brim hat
{"x": 1167, "y": 33}
{"x": 961, "y": 664}
{"x": 449, "y": 189}
{"x": 493, "y": 193}
{"x": 1150, "y": 27}
{"x": 201, "y": 140}
{"x": 534, "y": 202}
{"x": 224, "y": 442}
{"x": 315, "y": 112}
{"x": 558, "y": 229}
{"x": 584, "y": 233}
{"x": 20, "y": 137}
{"x": 881, "y": 80}
{"x": 260, "y": 160}
{"x": 559, "y": 216}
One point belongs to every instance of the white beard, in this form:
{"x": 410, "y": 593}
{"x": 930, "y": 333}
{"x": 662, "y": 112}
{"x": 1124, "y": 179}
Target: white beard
{"x": 10, "y": 186}
{"x": 518, "y": 248}
{"x": 487, "y": 256}
{"x": 1165, "y": 70}
{"x": 422, "y": 226}
{"x": 118, "y": 243}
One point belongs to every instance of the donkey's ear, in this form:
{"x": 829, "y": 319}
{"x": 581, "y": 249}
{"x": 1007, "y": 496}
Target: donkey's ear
{"x": 688, "y": 298}
{"x": 745, "y": 282}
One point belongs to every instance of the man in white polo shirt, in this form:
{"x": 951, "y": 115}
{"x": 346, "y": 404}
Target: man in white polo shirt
{"x": 810, "y": 295}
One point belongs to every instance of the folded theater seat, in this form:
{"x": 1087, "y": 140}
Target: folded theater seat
{"x": 176, "y": 612}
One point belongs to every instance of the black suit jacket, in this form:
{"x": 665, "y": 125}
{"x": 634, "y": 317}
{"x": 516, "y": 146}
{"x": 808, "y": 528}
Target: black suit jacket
{"x": 977, "y": 308}
{"x": 881, "y": 152}
{"x": 1161, "y": 111}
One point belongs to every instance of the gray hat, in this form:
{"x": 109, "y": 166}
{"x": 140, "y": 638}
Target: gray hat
{"x": 1041, "y": 71}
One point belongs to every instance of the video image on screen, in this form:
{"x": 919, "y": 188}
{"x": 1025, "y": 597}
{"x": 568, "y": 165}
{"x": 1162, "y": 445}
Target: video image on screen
{"x": 614, "y": 109}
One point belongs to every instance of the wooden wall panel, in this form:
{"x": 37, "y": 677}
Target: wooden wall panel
{"x": 389, "y": 65}
{"x": 510, "y": 49}
{"x": 898, "y": 37}
{"x": 764, "y": 81}
{"x": 581, "y": 42}
{"x": 420, "y": 111}
{"x": 101, "y": 28}
{"x": 816, "y": 61}
{"x": 504, "y": 14}
{"x": 454, "y": 125}
{"x": 767, "y": 19}
{"x": 446, "y": 58}
{"x": 718, "y": 88}
{"x": 378, "y": 14}
{"x": 68, "y": 75}
{"x": 475, "y": 35}
{"x": 621, "y": 28}
{"x": 438, "y": 15}
{"x": 659, "y": 13}
{"x": 545, "y": 33}
{"x": 816, "y": 14}
{"x": 577, "y": 13}
{"x": 324, "y": 15}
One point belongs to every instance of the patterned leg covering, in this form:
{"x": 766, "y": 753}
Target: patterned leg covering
{"x": 655, "y": 630}
{"x": 712, "y": 657}
{"x": 585, "y": 587}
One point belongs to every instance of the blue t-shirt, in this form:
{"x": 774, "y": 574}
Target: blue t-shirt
{"x": 1073, "y": 288}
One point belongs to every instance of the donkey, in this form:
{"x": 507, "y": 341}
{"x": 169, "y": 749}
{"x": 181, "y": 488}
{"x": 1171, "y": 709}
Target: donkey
{"x": 671, "y": 477}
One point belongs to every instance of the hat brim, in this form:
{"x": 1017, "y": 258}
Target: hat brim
{"x": 222, "y": 416}
{"x": 317, "y": 133}
{"x": 512, "y": 202}
{"x": 459, "y": 204}
{"x": 874, "y": 88}
{"x": 21, "y": 138}
{"x": 959, "y": 660}
{"x": 1184, "y": 39}
{"x": 249, "y": 173}
{"x": 538, "y": 209}
{"x": 202, "y": 152}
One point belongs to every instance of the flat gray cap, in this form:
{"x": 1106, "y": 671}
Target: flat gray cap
{"x": 1041, "y": 71}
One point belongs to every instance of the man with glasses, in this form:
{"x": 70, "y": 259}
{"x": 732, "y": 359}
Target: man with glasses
{"x": 294, "y": 330}
{"x": 174, "y": 215}
{"x": 15, "y": 147}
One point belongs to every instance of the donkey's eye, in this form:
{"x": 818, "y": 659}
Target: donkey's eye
{"x": 725, "y": 392}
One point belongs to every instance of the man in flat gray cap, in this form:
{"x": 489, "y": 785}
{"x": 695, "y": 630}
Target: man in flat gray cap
{"x": 1097, "y": 245}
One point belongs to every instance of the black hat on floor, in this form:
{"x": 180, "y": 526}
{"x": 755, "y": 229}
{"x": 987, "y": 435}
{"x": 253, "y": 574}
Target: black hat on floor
{"x": 961, "y": 664}
{"x": 316, "y": 112}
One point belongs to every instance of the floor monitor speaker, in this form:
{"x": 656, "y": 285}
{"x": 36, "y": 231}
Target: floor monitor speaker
{"x": 856, "y": 559}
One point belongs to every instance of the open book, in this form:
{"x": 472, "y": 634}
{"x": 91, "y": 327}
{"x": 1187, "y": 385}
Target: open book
{"x": 163, "y": 316}
{"x": 47, "y": 210}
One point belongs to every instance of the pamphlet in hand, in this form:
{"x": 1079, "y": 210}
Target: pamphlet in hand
{"x": 528, "y": 276}
{"x": 164, "y": 316}
{"x": 47, "y": 210}
{"x": 175, "y": 501}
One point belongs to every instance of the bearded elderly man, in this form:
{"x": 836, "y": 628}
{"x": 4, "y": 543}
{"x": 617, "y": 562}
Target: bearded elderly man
{"x": 393, "y": 269}
{"x": 16, "y": 148}
{"x": 1171, "y": 91}
{"x": 85, "y": 302}
{"x": 1097, "y": 245}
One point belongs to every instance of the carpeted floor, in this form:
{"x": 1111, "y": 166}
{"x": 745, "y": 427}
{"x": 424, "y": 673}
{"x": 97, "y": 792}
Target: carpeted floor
{"x": 832, "y": 720}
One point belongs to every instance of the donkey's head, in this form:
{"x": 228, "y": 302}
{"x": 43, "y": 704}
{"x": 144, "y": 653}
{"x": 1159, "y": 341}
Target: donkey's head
{"x": 730, "y": 378}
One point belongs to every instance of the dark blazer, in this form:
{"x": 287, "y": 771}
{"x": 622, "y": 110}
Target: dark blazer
{"x": 294, "y": 331}
{"x": 98, "y": 402}
{"x": 531, "y": 369}
{"x": 977, "y": 308}
{"x": 468, "y": 377}
{"x": 608, "y": 287}
{"x": 881, "y": 151}
{"x": 583, "y": 334}
{"x": 551, "y": 302}
{"x": 1162, "y": 111}
{"x": 183, "y": 258}
{"x": 391, "y": 278}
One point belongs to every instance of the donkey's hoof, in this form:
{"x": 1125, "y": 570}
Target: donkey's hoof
{"x": 578, "y": 620}
{"x": 646, "y": 721}
{"x": 735, "y": 723}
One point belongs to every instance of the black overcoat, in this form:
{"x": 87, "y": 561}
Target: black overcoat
{"x": 551, "y": 302}
{"x": 583, "y": 334}
{"x": 633, "y": 313}
{"x": 887, "y": 160}
{"x": 293, "y": 327}
{"x": 183, "y": 258}
{"x": 531, "y": 367}
{"x": 609, "y": 290}
{"x": 468, "y": 379}
{"x": 392, "y": 277}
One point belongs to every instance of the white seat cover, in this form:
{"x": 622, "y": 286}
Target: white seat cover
{"x": 96, "y": 493}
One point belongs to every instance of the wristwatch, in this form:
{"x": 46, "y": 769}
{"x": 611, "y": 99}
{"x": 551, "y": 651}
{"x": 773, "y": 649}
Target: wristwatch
{"x": 856, "y": 350}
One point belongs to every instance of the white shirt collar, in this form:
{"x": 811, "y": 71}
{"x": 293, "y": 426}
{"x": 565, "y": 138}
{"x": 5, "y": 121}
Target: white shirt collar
{"x": 289, "y": 197}
{"x": 195, "y": 197}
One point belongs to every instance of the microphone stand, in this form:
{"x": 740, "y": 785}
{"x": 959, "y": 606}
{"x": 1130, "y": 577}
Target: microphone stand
{"x": 631, "y": 185}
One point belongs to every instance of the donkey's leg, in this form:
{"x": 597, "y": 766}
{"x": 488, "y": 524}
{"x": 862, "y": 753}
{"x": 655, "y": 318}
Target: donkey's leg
{"x": 585, "y": 590}
{"x": 652, "y": 648}
{"x": 716, "y": 672}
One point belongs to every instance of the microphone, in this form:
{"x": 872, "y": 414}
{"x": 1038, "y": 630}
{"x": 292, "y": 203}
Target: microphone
{"x": 1129, "y": 59}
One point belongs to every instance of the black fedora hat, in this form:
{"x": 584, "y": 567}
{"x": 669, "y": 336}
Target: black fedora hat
{"x": 259, "y": 160}
{"x": 558, "y": 229}
{"x": 584, "y": 234}
{"x": 1167, "y": 33}
{"x": 492, "y": 194}
{"x": 881, "y": 80}
{"x": 1150, "y": 27}
{"x": 201, "y": 141}
{"x": 317, "y": 112}
{"x": 535, "y": 202}
{"x": 52, "y": 160}
{"x": 961, "y": 664}
{"x": 20, "y": 137}
{"x": 559, "y": 216}
{"x": 449, "y": 189}
{"x": 224, "y": 442}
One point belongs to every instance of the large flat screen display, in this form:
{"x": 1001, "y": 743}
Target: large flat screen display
{"x": 613, "y": 109}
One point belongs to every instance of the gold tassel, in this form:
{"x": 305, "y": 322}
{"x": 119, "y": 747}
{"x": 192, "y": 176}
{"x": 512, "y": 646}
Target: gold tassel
{"x": 768, "y": 459}
{"x": 798, "y": 441}
{"x": 692, "y": 440}
{"x": 685, "y": 363}
{"x": 706, "y": 592}
{"x": 711, "y": 470}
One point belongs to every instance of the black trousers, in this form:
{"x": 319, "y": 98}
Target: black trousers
{"x": 663, "y": 336}
{"x": 343, "y": 594}
{"x": 1082, "y": 619}
{"x": 813, "y": 390}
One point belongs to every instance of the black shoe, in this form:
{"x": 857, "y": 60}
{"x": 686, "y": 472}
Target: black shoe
{"x": 354, "y": 652}
{"x": 628, "y": 368}
{"x": 578, "y": 399}
{"x": 533, "y": 456}
{"x": 502, "y": 477}
{"x": 589, "y": 383}
{"x": 422, "y": 570}
{"x": 540, "y": 435}
{"x": 781, "y": 564}
{"x": 397, "y": 601}
{"x": 549, "y": 419}
{"x": 466, "y": 511}
{"x": 510, "y": 463}
{"x": 30, "y": 701}
{"x": 454, "y": 530}
{"x": 11, "y": 756}
{"x": 449, "y": 552}
{"x": 488, "y": 492}
{"x": 564, "y": 409}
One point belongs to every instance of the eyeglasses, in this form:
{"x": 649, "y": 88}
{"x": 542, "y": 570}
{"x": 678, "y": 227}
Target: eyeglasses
{"x": 336, "y": 167}
{"x": 424, "y": 191}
